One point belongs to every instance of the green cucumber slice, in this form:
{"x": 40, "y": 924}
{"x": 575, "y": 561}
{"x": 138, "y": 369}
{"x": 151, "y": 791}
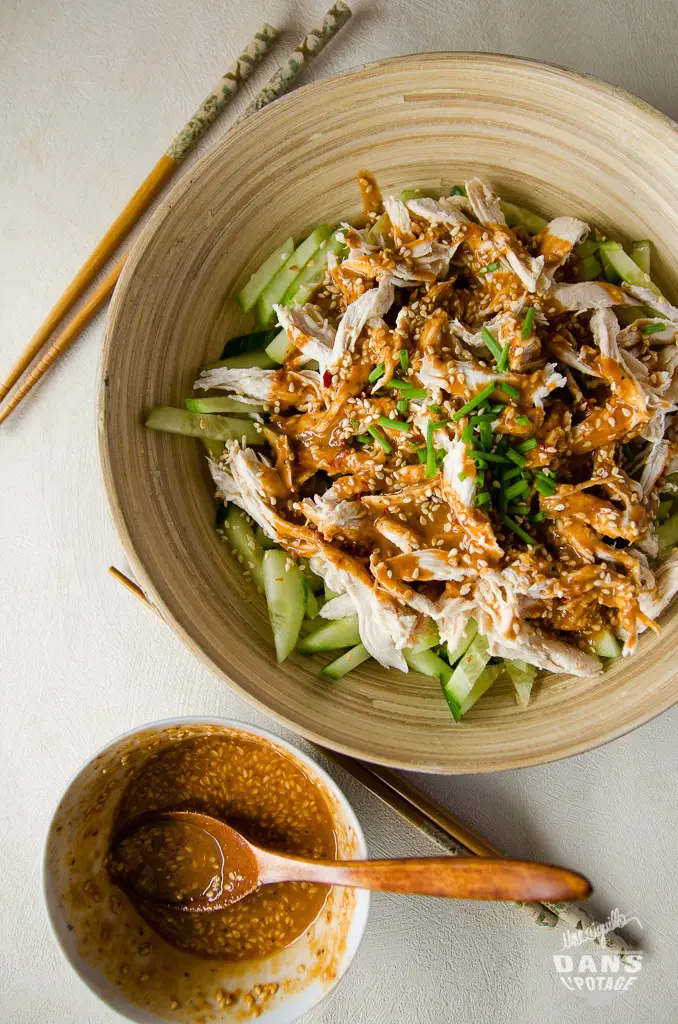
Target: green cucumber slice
{"x": 240, "y": 535}
{"x": 312, "y": 603}
{"x": 261, "y": 277}
{"x": 381, "y": 226}
{"x": 337, "y": 633}
{"x": 664, "y": 510}
{"x": 464, "y": 642}
{"x": 522, "y": 676}
{"x": 215, "y": 449}
{"x": 427, "y": 637}
{"x": 482, "y": 683}
{"x": 406, "y": 194}
{"x": 346, "y": 662}
{"x": 193, "y": 424}
{"x": 641, "y": 254}
{"x": 252, "y": 342}
{"x": 458, "y": 687}
{"x": 315, "y": 582}
{"x": 262, "y": 540}
{"x": 587, "y": 248}
{"x": 330, "y": 594}
{"x": 667, "y": 534}
{"x": 518, "y": 216}
{"x": 289, "y": 272}
{"x": 429, "y": 664}
{"x": 281, "y": 348}
{"x": 221, "y": 405}
{"x": 302, "y": 288}
{"x": 244, "y": 362}
{"x": 588, "y": 269}
{"x": 605, "y": 644}
{"x": 625, "y": 267}
{"x": 286, "y": 597}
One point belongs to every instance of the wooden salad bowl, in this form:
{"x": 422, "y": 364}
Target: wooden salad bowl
{"x": 554, "y": 140}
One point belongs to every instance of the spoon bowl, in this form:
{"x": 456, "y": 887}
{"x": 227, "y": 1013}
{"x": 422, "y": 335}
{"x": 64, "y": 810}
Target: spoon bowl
{"x": 203, "y": 885}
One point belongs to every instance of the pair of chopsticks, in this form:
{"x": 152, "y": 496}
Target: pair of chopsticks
{"x": 439, "y": 825}
{"x": 205, "y": 116}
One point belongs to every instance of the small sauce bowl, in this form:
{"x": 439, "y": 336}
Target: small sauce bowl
{"x": 125, "y": 962}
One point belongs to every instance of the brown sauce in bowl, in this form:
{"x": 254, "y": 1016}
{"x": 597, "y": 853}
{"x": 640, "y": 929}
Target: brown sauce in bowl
{"x": 259, "y": 791}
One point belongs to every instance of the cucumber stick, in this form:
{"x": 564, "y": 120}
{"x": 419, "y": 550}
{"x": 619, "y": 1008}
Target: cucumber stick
{"x": 194, "y": 424}
{"x": 428, "y": 663}
{"x": 261, "y": 277}
{"x": 346, "y": 662}
{"x": 667, "y": 534}
{"x": 641, "y": 254}
{"x": 518, "y": 216}
{"x": 286, "y": 597}
{"x": 522, "y": 676}
{"x": 215, "y": 449}
{"x": 221, "y": 405}
{"x": 605, "y": 644}
{"x": 464, "y": 642}
{"x": 628, "y": 270}
{"x": 418, "y": 193}
{"x": 330, "y": 637}
{"x": 381, "y": 226}
{"x": 482, "y": 683}
{"x": 588, "y": 269}
{"x": 281, "y": 348}
{"x": 585, "y": 249}
{"x": 427, "y": 637}
{"x": 288, "y": 273}
{"x": 240, "y": 535}
{"x": 462, "y": 680}
{"x": 312, "y": 603}
{"x": 302, "y": 288}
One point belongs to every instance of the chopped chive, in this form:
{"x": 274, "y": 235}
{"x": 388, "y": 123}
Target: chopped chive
{"x": 461, "y": 476}
{"x": 524, "y": 421}
{"x": 458, "y": 190}
{"x": 404, "y": 359}
{"x": 480, "y": 478}
{"x": 517, "y": 490}
{"x": 484, "y": 457}
{"x": 502, "y": 362}
{"x": 376, "y": 373}
{"x": 518, "y": 530}
{"x": 526, "y": 446}
{"x": 431, "y": 467}
{"x": 490, "y": 267}
{"x": 467, "y": 434}
{"x": 402, "y": 405}
{"x": 546, "y": 474}
{"x": 508, "y": 389}
{"x": 482, "y": 498}
{"x": 528, "y": 323}
{"x": 399, "y": 385}
{"x": 489, "y": 417}
{"x": 421, "y": 453}
{"x": 511, "y": 474}
{"x": 355, "y": 424}
{"x": 544, "y": 487}
{"x": 434, "y": 408}
{"x": 520, "y": 509}
{"x": 364, "y": 438}
{"x": 474, "y": 402}
{"x": 538, "y": 517}
{"x": 502, "y": 445}
{"x": 652, "y": 328}
{"x": 391, "y": 424}
{"x": 438, "y": 424}
{"x": 414, "y": 392}
{"x": 491, "y": 342}
{"x": 485, "y": 431}
{"x": 516, "y": 457}
{"x": 440, "y": 455}
{"x": 380, "y": 439}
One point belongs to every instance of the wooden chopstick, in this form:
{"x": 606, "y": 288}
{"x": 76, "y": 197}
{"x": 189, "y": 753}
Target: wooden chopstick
{"x": 222, "y": 94}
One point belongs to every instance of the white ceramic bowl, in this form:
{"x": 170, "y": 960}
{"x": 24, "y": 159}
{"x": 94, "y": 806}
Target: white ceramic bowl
{"x": 81, "y": 903}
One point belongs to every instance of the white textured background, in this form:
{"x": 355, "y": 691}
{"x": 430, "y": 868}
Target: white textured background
{"x": 91, "y": 91}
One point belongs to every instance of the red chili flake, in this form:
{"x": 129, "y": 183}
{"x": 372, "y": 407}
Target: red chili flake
{"x": 327, "y": 379}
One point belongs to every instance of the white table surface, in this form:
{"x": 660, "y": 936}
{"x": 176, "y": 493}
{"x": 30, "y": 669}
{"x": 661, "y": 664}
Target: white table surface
{"x": 91, "y": 92}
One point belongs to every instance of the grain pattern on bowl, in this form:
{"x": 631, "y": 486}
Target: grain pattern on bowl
{"x": 554, "y": 140}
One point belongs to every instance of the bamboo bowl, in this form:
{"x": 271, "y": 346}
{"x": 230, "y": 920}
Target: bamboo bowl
{"x": 555, "y": 140}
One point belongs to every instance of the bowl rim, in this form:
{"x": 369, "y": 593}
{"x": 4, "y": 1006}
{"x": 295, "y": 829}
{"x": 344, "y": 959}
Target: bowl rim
{"x": 176, "y": 193}
{"x": 363, "y": 896}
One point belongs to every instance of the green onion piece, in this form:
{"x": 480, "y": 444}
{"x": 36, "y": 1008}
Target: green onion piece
{"x": 652, "y": 328}
{"x": 482, "y": 498}
{"x": 516, "y": 457}
{"x": 440, "y": 455}
{"x": 431, "y": 466}
{"x": 479, "y": 477}
{"x": 364, "y": 438}
{"x": 546, "y": 474}
{"x": 511, "y": 474}
{"x": 474, "y": 402}
{"x": 526, "y": 446}
{"x": 520, "y": 509}
{"x": 467, "y": 434}
{"x": 508, "y": 389}
{"x": 518, "y": 530}
{"x": 489, "y": 417}
{"x": 391, "y": 424}
{"x": 438, "y": 424}
{"x": 421, "y": 453}
{"x": 502, "y": 445}
{"x": 485, "y": 431}
{"x": 376, "y": 373}
{"x": 434, "y": 408}
{"x": 379, "y": 438}
{"x": 404, "y": 359}
{"x": 528, "y": 323}
{"x": 485, "y": 457}
{"x": 502, "y": 362}
{"x": 402, "y": 405}
{"x": 458, "y": 190}
{"x": 491, "y": 342}
{"x": 399, "y": 385}
{"x": 544, "y": 487}
{"x": 461, "y": 476}
{"x": 517, "y": 490}
{"x": 491, "y": 266}
{"x": 538, "y": 517}
{"x": 414, "y": 392}
{"x": 523, "y": 421}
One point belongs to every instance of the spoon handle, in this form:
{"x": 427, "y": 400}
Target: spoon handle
{"x": 471, "y": 878}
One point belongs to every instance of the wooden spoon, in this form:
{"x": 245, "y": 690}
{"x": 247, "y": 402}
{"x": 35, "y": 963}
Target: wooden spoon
{"x": 226, "y": 867}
